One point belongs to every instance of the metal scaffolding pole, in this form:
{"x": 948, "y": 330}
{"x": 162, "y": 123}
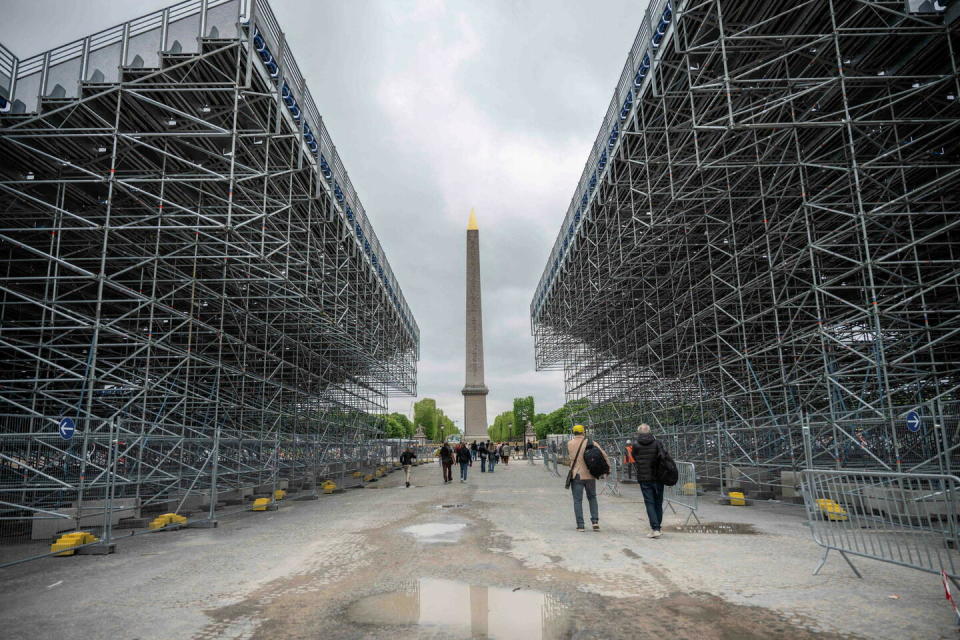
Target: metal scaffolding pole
{"x": 767, "y": 227}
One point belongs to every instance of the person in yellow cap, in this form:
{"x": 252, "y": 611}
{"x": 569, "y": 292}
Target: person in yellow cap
{"x": 581, "y": 479}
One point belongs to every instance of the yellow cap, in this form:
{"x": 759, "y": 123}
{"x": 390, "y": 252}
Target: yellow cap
{"x": 472, "y": 224}
{"x": 578, "y": 428}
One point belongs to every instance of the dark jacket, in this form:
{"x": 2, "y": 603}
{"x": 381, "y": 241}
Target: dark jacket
{"x": 645, "y": 455}
{"x": 463, "y": 455}
{"x": 446, "y": 455}
{"x": 482, "y": 450}
{"x": 407, "y": 457}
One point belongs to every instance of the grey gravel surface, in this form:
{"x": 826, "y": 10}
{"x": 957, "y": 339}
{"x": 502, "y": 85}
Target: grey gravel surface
{"x": 305, "y": 570}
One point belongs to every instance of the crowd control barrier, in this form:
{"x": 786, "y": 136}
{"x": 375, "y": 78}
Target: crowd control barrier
{"x": 685, "y": 493}
{"x": 907, "y": 519}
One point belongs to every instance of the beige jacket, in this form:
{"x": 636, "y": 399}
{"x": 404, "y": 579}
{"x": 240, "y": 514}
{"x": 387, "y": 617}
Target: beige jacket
{"x": 581, "y": 468}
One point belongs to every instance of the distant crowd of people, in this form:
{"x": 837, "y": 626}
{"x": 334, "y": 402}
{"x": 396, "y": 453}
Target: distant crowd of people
{"x": 488, "y": 453}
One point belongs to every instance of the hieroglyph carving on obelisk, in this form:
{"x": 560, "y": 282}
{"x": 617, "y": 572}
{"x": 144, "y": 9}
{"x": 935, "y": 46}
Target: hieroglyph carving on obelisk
{"x": 474, "y": 391}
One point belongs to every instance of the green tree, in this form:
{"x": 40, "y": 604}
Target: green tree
{"x": 523, "y": 412}
{"x": 502, "y": 427}
{"x": 435, "y": 422}
{"x": 425, "y": 415}
{"x": 561, "y": 420}
{"x": 399, "y": 426}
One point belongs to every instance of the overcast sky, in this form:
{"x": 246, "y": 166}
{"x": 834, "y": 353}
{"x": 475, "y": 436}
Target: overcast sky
{"x": 437, "y": 107}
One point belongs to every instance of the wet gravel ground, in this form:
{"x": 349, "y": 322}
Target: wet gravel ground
{"x": 502, "y": 560}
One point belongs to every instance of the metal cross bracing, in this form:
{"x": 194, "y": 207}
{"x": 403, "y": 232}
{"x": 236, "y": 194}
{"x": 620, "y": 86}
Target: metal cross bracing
{"x": 185, "y": 271}
{"x": 766, "y": 235}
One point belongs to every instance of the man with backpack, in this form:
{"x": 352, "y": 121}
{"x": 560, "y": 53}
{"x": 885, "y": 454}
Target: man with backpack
{"x": 587, "y": 463}
{"x": 650, "y": 460}
{"x": 465, "y": 460}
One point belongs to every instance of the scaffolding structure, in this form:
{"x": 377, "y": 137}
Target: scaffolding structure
{"x": 766, "y": 236}
{"x": 189, "y": 285}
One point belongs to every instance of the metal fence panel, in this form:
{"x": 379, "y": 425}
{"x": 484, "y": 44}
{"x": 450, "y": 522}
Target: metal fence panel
{"x": 686, "y": 492}
{"x": 907, "y": 519}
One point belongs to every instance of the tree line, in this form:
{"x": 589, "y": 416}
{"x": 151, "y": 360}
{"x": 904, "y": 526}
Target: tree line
{"x": 509, "y": 425}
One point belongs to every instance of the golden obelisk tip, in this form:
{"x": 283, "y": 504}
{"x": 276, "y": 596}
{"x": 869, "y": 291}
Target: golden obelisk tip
{"x": 472, "y": 225}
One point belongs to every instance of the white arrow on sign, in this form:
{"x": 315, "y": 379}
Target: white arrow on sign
{"x": 913, "y": 421}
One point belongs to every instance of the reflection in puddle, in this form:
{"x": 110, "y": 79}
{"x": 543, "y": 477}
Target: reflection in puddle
{"x": 435, "y": 532}
{"x": 466, "y": 610}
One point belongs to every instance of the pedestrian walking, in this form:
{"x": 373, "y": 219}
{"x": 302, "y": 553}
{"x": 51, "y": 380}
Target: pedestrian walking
{"x": 628, "y": 461}
{"x": 465, "y": 460}
{"x": 516, "y": 452}
{"x": 482, "y": 454}
{"x": 473, "y": 450}
{"x": 580, "y": 479}
{"x": 492, "y": 457}
{"x": 446, "y": 461}
{"x": 646, "y": 452}
{"x": 504, "y": 452}
{"x": 406, "y": 459}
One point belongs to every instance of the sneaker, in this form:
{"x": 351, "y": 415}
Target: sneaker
{"x": 408, "y": 485}
{"x": 596, "y": 527}
{"x": 654, "y": 534}
{"x": 580, "y": 529}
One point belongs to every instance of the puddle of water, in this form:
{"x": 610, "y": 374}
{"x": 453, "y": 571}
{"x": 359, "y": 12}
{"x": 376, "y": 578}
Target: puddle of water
{"x": 459, "y": 609}
{"x": 435, "y": 532}
{"x": 716, "y": 527}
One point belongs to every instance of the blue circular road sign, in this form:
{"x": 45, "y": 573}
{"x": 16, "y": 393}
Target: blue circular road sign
{"x": 913, "y": 421}
{"x": 67, "y": 428}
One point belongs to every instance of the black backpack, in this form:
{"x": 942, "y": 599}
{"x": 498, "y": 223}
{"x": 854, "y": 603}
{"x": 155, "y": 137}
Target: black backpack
{"x": 664, "y": 468}
{"x": 596, "y": 463}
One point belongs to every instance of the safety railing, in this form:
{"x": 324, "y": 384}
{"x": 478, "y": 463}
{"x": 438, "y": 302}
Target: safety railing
{"x": 906, "y": 519}
{"x": 611, "y": 482}
{"x": 685, "y": 493}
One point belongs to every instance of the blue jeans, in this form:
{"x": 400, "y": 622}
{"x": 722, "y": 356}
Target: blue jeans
{"x": 577, "y": 486}
{"x": 463, "y": 470}
{"x": 493, "y": 462}
{"x": 473, "y": 454}
{"x": 653, "y": 500}
{"x": 483, "y": 464}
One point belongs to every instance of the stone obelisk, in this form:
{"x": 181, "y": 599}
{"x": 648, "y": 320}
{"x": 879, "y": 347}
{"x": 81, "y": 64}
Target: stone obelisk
{"x": 475, "y": 391}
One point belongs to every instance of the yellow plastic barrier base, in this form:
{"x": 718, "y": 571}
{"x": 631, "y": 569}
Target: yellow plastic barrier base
{"x": 832, "y": 509}
{"x": 166, "y": 519}
{"x": 260, "y": 504}
{"x": 357, "y": 474}
{"x": 66, "y": 543}
{"x": 329, "y": 486}
{"x": 689, "y": 489}
{"x": 279, "y": 494}
{"x": 368, "y": 477}
{"x": 737, "y": 499}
